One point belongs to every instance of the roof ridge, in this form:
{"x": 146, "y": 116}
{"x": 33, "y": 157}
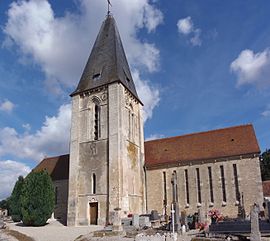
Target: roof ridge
{"x": 200, "y": 132}
{"x": 52, "y": 157}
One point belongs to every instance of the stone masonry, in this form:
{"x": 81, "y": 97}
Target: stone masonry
{"x": 250, "y": 185}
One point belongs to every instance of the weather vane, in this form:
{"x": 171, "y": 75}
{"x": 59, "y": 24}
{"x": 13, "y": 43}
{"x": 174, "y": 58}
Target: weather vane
{"x": 109, "y": 4}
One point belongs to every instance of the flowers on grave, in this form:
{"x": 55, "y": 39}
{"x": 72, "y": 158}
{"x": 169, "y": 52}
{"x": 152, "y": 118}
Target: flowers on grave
{"x": 201, "y": 226}
{"x": 215, "y": 215}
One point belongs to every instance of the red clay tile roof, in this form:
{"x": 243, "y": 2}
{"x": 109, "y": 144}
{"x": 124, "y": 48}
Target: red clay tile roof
{"x": 57, "y": 167}
{"x": 215, "y": 144}
{"x": 266, "y": 188}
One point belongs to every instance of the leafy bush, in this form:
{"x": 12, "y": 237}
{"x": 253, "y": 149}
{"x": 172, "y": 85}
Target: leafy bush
{"x": 37, "y": 199}
{"x": 15, "y": 200}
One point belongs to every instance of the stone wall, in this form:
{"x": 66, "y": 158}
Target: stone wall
{"x": 126, "y": 148}
{"x": 249, "y": 182}
{"x": 88, "y": 158}
{"x": 115, "y": 159}
{"x": 61, "y": 198}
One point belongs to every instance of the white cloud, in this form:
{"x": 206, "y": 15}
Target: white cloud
{"x": 9, "y": 173}
{"x": 148, "y": 94}
{"x": 196, "y": 40}
{"x": 7, "y": 106}
{"x": 27, "y": 127}
{"x": 252, "y": 68}
{"x": 186, "y": 27}
{"x": 152, "y": 18}
{"x": 266, "y": 113}
{"x": 51, "y": 139}
{"x": 61, "y": 45}
{"x": 154, "y": 137}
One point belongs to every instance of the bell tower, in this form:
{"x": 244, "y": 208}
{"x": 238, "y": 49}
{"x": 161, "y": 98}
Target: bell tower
{"x": 107, "y": 141}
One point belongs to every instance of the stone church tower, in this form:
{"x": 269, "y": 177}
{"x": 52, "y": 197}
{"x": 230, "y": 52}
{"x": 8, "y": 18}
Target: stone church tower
{"x": 107, "y": 141}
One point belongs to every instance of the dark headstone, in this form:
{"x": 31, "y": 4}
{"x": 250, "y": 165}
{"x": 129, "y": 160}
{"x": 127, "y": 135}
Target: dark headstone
{"x": 184, "y": 218}
{"x": 154, "y": 215}
{"x": 268, "y": 209}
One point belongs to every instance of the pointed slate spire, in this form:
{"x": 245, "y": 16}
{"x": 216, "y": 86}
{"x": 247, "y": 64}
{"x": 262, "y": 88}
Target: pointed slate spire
{"x": 107, "y": 62}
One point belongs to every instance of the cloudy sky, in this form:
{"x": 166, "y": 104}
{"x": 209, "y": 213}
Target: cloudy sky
{"x": 198, "y": 65}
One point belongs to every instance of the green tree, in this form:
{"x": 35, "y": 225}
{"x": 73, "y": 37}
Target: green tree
{"x": 4, "y": 204}
{"x": 15, "y": 200}
{"x": 265, "y": 165}
{"x": 37, "y": 199}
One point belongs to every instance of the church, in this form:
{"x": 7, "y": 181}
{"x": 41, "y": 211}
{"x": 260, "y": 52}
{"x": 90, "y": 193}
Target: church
{"x": 111, "y": 168}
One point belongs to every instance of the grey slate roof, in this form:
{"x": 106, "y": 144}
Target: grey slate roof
{"x": 107, "y": 62}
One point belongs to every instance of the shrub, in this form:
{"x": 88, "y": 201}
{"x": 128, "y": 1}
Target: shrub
{"x": 5, "y": 204}
{"x": 37, "y": 199}
{"x": 15, "y": 200}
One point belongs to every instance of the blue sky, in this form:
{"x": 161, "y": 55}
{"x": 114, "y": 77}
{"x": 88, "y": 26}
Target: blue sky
{"x": 197, "y": 65}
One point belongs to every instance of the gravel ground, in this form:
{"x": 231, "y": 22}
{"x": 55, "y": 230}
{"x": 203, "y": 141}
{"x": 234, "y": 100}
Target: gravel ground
{"x": 12, "y": 235}
{"x": 89, "y": 237}
{"x": 5, "y": 237}
{"x": 54, "y": 231}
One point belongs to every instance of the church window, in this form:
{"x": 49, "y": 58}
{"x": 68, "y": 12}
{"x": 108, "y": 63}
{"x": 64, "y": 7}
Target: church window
{"x": 96, "y": 76}
{"x": 187, "y": 186}
{"x": 94, "y": 183}
{"x": 210, "y": 184}
{"x": 176, "y": 187}
{"x": 97, "y": 122}
{"x": 198, "y": 186}
{"x": 132, "y": 126}
{"x": 236, "y": 183}
{"x": 164, "y": 189}
{"x": 222, "y": 175}
{"x": 131, "y": 123}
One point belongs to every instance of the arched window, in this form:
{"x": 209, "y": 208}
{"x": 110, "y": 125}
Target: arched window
{"x": 97, "y": 122}
{"x": 131, "y": 123}
{"x": 94, "y": 183}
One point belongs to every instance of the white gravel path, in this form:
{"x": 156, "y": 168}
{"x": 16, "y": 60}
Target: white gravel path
{"x": 54, "y": 231}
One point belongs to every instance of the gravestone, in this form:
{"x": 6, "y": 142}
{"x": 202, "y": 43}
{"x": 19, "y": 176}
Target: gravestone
{"x": 154, "y": 215}
{"x": 241, "y": 210}
{"x": 175, "y": 204}
{"x": 144, "y": 221}
{"x": 267, "y": 211}
{"x": 184, "y": 218}
{"x": 255, "y": 234}
{"x": 126, "y": 221}
{"x": 2, "y": 224}
{"x": 136, "y": 221}
{"x": 200, "y": 219}
{"x": 117, "y": 225}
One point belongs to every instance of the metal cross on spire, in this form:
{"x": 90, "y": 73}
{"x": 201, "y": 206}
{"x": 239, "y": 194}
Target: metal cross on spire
{"x": 109, "y": 4}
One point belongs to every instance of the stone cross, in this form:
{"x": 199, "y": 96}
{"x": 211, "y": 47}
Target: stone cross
{"x": 175, "y": 202}
{"x": 109, "y": 4}
{"x": 241, "y": 210}
{"x": 255, "y": 234}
